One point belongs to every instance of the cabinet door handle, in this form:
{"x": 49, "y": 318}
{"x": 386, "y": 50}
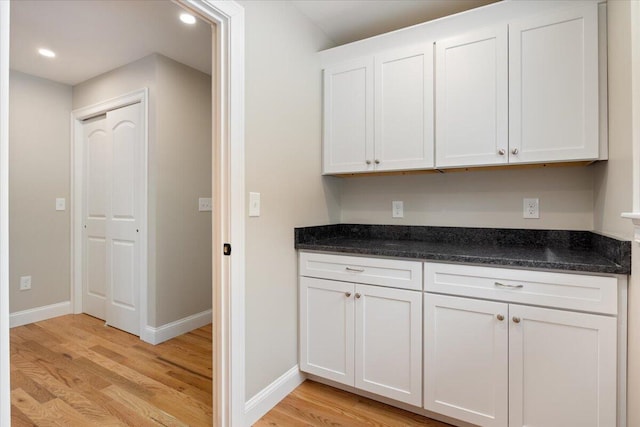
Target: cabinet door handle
{"x": 377, "y": 162}
{"x": 358, "y": 295}
{"x": 503, "y": 285}
{"x": 358, "y": 270}
{"x": 500, "y": 317}
{"x": 514, "y": 151}
{"x": 347, "y": 294}
{"x": 501, "y": 151}
{"x": 368, "y": 162}
{"x": 516, "y": 319}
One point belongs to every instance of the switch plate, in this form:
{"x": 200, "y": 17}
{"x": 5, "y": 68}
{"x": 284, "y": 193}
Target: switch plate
{"x": 397, "y": 209}
{"x": 254, "y": 204}
{"x": 531, "y": 208}
{"x": 61, "y": 204}
{"x": 205, "y": 204}
{"x": 25, "y": 283}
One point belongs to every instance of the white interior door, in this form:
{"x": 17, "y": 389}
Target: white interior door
{"x": 113, "y": 181}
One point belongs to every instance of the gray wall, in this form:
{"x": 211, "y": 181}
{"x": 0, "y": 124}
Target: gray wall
{"x": 491, "y": 198}
{"x": 283, "y": 134}
{"x": 179, "y": 173}
{"x": 39, "y": 155}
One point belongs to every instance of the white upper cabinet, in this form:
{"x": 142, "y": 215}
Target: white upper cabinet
{"x": 404, "y": 109}
{"x": 472, "y": 99}
{"x": 515, "y": 83}
{"x": 399, "y": 89}
{"x": 553, "y": 87}
{"x": 348, "y": 117}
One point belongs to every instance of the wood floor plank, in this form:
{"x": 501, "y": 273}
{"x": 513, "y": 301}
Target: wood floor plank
{"x": 143, "y": 407}
{"x": 314, "y": 404}
{"x": 72, "y": 370}
{"x": 19, "y": 419}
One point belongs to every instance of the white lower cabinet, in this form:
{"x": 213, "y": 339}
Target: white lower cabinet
{"x": 369, "y": 337}
{"x": 499, "y": 364}
{"x": 501, "y": 347}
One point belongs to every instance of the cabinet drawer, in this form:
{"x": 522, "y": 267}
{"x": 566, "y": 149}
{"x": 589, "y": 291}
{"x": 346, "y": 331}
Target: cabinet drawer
{"x": 570, "y": 291}
{"x": 373, "y": 271}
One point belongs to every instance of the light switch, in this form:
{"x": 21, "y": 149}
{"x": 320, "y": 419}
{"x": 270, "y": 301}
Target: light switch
{"x": 61, "y": 204}
{"x": 205, "y": 204}
{"x": 254, "y": 204}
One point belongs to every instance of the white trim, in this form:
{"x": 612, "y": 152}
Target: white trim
{"x": 39, "y": 314}
{"x": 171, "y": 330}
{"x": 5, "y": 400}
{"x": 77, "y": 156}
{"x": 268, "y": 397}
{"x": 229, "y": 216}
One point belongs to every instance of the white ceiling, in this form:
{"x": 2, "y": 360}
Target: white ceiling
{"x": 346, "y": 21}
{"x": 92, "y": 37}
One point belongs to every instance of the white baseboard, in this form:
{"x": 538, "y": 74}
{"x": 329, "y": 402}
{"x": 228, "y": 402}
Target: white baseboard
{"x": 171, "y": 330}
{"x": 39, "y": 314}
{"x": 267, "y": 398}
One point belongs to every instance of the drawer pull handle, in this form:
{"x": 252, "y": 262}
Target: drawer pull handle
{"x": 348, "y": 294}
{"x": 516, "y": 319}
{"x": 502, "y": 285}
{"x": 358, "y": 270}
{"x": 358, "y": 295}
{"x": 500, "y": 317}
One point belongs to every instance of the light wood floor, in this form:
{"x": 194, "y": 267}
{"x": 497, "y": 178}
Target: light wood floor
{"x": 74, "y": 371}
{"x": 314, "y": 404}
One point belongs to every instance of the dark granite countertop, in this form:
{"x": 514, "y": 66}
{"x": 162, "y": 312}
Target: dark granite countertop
{"x": 582, "y": 251}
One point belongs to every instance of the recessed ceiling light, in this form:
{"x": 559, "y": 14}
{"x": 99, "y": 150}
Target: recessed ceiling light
{"x": 46, "y": 52}
{"x": 187, "y": 19}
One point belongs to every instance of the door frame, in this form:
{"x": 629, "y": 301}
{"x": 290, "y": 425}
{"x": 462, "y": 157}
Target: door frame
{"x": 77, "y": 201}
{"x": 5, "y": 390}
{"x": 228, "y": 219}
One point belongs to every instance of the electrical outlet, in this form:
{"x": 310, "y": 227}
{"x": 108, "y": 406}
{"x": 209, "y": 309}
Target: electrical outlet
{"x": 531, "y": 208}
{"x": 61, "y": 204}
{"x": 204, "y": 204}
{"x": 25, "y": 283}
{"x": 397, "y": 209}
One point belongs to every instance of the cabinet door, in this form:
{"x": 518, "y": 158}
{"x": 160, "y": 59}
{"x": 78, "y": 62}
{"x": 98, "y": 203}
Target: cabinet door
{"x": 471, "y": 99}
{"x": 404, "y": 108}
{"x": 389, "y": 342}
{"x": 466, "y": 359}
{"x": 562, "y": 368}
{"x": 553, "y": 87}
{"x": 348, "y": 117}
{"x": 327, "y": 329}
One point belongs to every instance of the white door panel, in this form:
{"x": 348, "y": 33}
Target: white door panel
{"x": 404, "y": 108}
{"x": 466, "y": 369}
{"x": 472, "y": 99}
{"x": 113, "y": 184}
{"x": 562, "y": 368}
{"x": 388, "y": 349}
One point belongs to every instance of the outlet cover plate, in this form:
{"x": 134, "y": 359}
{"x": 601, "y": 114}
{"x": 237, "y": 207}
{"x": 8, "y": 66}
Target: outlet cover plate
{"x": 397, "y": 209}
{"x": 25, "y": 283}
{"x": 531, "y": 208}
{"x": 205, "y": 204}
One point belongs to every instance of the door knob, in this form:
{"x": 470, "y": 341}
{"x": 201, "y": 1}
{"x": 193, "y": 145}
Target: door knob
{"x": 348, "y": 294}
{"x": 500, "y": 317}
{"x": 501, "y": 151}
{"x": 358, "y": 295}
{"x": 516, "y": 319}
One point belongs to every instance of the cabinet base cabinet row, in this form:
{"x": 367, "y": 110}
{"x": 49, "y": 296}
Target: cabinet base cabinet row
{"x": 486, "y": 363}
